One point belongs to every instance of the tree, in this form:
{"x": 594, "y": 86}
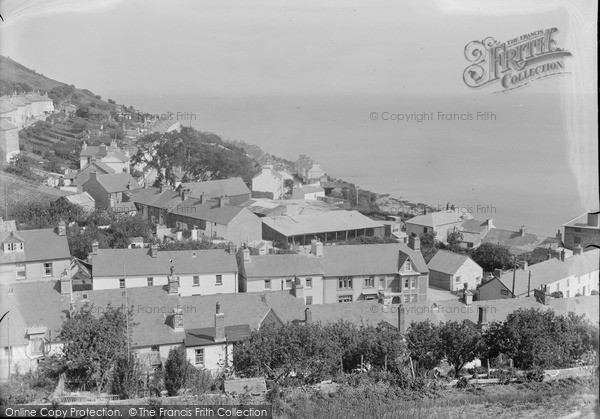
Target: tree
{"x": 94, "y": 345}
{"x": 492, "y": 256}
{"x": 178, "y": 370}
{"x": 429, "y": 246}
{"x": 424, "y": 344}
{"x": 461, "y": 343}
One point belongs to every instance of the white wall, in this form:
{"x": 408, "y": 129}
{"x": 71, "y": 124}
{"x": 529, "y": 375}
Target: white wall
{"x": 278, "y": 284}
{"x": 214, "y": 356}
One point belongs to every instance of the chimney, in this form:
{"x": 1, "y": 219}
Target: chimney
{"x": 93, "y": 176}
{"x": 298, "y": 289}
{"x": 154, "y": 251}
{"x": 577, "y": 250}
{"x": 194, "y": 234}
{"x": 184, "y": 193}
{"x": 592, "y": 219}
{"x": 66, "y": 287}
{"x": 219, "y": 324}
{"x": 467, "y": 297}
{"x": 95, "y": 248}
{"x": 223, "y": 201}
{"x": 173, "y": 283}
{"x": 113, "y": 143}
{"x": 316, "y": 248}
{"x": 84, "y": 145}
{"x": 559, "y": 236}
{"x": 231, "y": 248}
{"x": 562, "y": 255}
{"x": 102, "y": 152}
{"x": 525, "y": 265}
{"x": 179, "y": 235}
{"x": 62, "y": 228}
{"x": 482, "y": 319}
{"x": 522, "y": 231}
{"x": 414, "y": 242}
{"x": 401, "y": 319}
{"x": 246, "y": 254}
{"x": 201, "y": 198}
{"x": 489, "y": 224}
{"x": 307, "y": 315}
{"x": 178, "y": 319}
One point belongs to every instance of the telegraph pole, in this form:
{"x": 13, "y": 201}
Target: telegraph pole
{"x": 514, "y": 275}
{"x": 529, "y": 284}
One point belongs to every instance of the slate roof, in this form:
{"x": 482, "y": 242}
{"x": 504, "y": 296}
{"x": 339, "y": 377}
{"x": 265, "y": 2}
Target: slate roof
{"x": 348, "y": 260}
{"x": 282, "y": 265}
{"x": 32, "y": 304}
{"x": 206, "y": 336}
{"x": 84, "y": 199}
{"x": 152, "y": 309}
{"x": 447, "y": 262}
{"x": 208, "y": 210}
{"x": 139, "y": 262}
{"x": 315, "y": 223}
{"x": 439, "y": 218}
{"x": 276, "y": 207}
{"x": 310, "y": 188}
{"x": 92, "y": 150}
{"x": 117, "y": 182}
{"x": 217, "y": 188}
{"x": 39, "y": 245}
{"x": 6, "y": 106}
{"x": 552, "y": 270}
{"x": 580, "y": 222}
{"x": 153, "y": 197}
{"x": 516, "y": 243}
{"x": 99, "y": 164}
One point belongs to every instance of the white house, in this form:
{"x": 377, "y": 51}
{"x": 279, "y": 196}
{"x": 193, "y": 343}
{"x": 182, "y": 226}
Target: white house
{"x": 183, "y": 272}
{"x": 441, "y": 223}
{"x": 272, "y": 181}
{"x": 453, "y": 271}
{"x": 308, "y": 192}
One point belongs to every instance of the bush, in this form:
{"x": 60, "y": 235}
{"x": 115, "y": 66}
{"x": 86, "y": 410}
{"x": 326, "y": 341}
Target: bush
{"x": 463, "y": 382}
{"x": 534, "y": 375}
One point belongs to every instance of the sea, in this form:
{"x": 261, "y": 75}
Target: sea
{"x": 502, "y": 157}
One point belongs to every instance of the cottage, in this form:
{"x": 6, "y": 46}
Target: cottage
{"x": 110, "y": 155}
{"x": 308, "y": 192}
{"x": 271, "y": 181}
{"x": 582, "y": 231}
{"x": 9, "y": 140}
{"x": 453, "y": 271}
{"x": 233, "y": 188}
{"x": 441, "y": 223}
{"x": 111, "y": 190}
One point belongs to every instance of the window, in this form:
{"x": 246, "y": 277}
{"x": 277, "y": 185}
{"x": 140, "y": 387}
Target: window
{"x": 345, "y": 283}
{"x": 457, "y": 280}
{"x": 121, "y": 282}
{"x": 308, "y": 300}
{"x": 196, "y": 281}
{"x": 20, "y": 267}
{"x": 267, "y": 284}
{"x": 413, "y": 282}
{"x": 84, "y": 296}
{"x": 406, "y": 283}
{"x": 199, "y": 357}
{"x": 13, "y": 247}
{"x": 503, "y": 292}
{"x": 150, "y": 281}
{"x": 344, "y": 298}
{"x": 382, "y": 282}
{"x": 370, "y": 282}
{"x": 370, "y": 296}
{"x": 36, "y": 344}
{"x": 407, "y": 266}
{"x": 407, "y": 298}
{"x": 219, "y": 279}
{"x": 577, "y": 230}
{"x": 308, "y": 282}
{"x": 413, "y": 298}
{"x": 47, "y": 268}
{"x": 568, "y": 282}
{"x": 557, "y": 287}
{"x": 288, "y": 283}
{"x": 154, "y": 348}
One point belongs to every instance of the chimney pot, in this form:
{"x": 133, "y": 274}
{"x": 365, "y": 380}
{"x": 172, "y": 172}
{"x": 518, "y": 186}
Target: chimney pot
{"x": 246, "y": 254}
{"x": 95, "y": 248}
{"x": 414, "y": 243}
{"x": 154, "y": 251}
{"x": 307, "y": 315}
{"x": 219, "y": 324}
{"x": 592, "y": 219}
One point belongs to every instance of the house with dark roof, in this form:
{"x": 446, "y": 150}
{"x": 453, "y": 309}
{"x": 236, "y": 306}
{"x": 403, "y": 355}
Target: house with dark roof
{"x": 181, "y": 272}
{"x": 338, "y": 274}
{"x": 34, "y": 255}
{"x": 521, "y": 243}
{"x": 572, "y": 276}
{"x": 454, "y": 271}
{"x": 215, "y": 218}
{"x": 155, "y": 203}
{"x": 111, "y": 155}
{"x": 79, "y": 178}
{"x": 327, "y": 226}
{"x": 582, "y": 231}
{"x": 233, "y": 188}
{"x": 111, "y": 190}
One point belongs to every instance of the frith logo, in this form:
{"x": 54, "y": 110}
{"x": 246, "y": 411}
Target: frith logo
{"x": 514, "y": 63}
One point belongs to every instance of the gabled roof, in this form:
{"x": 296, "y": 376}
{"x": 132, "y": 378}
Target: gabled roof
{"x": 217, "y": 188}
{"x": 100, "y": 165}
{"x": 552, "y": 270}
{"x": 439, "y": 218}
{"x": 139, "y": 262}
{"x": 92, "y": 150}
{"x": 167, "y": 199}
{"x": 84, "y": 199}
{"x": 117, "y": 182}
{"x": 31, "y": 305}
{"x": 282, "y": 266}
{"x": 517, "y": 243}
{"x": 314, "y": 223}
{"x": 206, "y": 336}
{"x": 39, "y": 245}
{"x": 310, "y": 189}
{"x": 208, "y": 210}
{"x": 447, "y": 262}
{"x": 370, "y": 259}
